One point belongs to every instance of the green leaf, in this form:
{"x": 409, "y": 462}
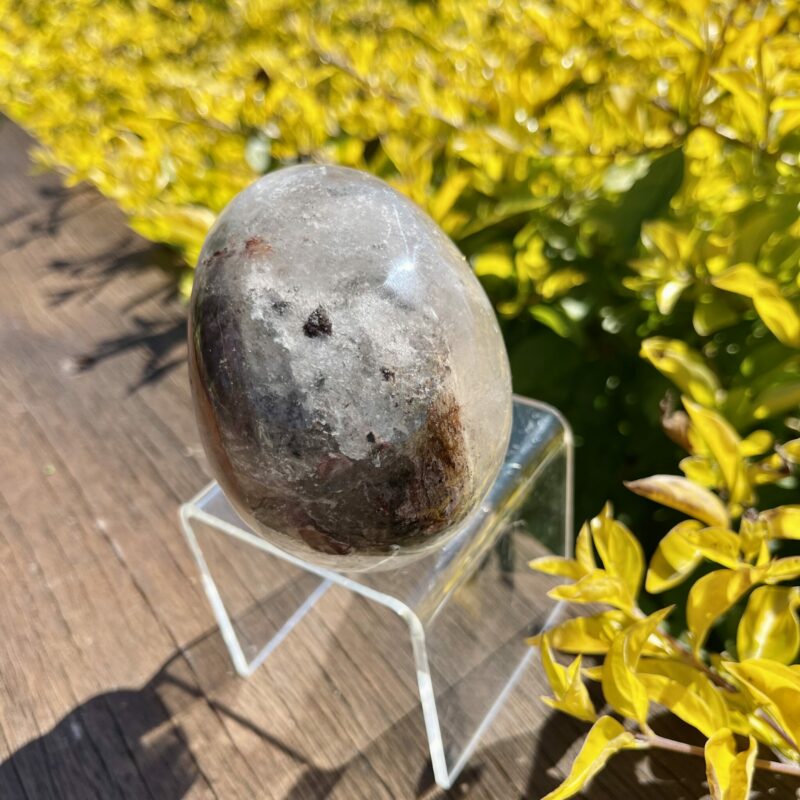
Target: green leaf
{"x": 554, "y": 318}
{"x": 777, "y": 400}
{"x": 647, "y": 198}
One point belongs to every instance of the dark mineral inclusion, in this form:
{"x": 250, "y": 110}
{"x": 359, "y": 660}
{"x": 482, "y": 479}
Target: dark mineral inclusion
{"x": 351, "y": 385}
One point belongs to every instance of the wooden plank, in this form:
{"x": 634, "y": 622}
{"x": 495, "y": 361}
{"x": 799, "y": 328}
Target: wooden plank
{"x": 113, "y": 680}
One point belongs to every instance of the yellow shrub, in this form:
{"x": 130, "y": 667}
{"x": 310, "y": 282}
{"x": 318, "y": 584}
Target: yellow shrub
{"x": 624, "y": 178}
{"x": 747, "y": 686}
{"x": 481, "y": 112}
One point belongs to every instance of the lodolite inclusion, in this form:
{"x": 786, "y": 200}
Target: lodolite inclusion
{"x": 350, "y": 381}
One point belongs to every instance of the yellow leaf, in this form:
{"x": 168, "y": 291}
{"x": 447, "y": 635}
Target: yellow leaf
{"x": 183, "y": 226}
{"x": 790, "y": 450}
{"x": 674, "y": 559}
{"x": 594, "y": 673}
{"x": 741, "y": 279}
{"x": 781, "y": 569}
{"x": 574, "y": 705}
{"x": 683, "y": 366}
{"x": 606, "y": 738}
{"x": 448, "y": 193}
{"x": 555, "y": 673}
{"x": 571, "y": 695}
{"x": 723, "y": 443}
{"x": 496, "y": 262}
{"x": 587, "y": 635}
{"x": 756, "y": 443}
{"x": 685, "y": 691}
{"x": 769, "y": 627}
{"x": 752, "y": 533}
{"x": 747, "y": 724}
{"x": 782, "y": 522}
{"x": 700, "y": 470}
{"x": 766, "y": 677}
{"x": 560, "y": 282}
{"x": 683, "y": 495}
{"x": 576, "y": 701}
{"x": 777, "y": 313}
{"x": 584, "y": 552}
{"x": 729, "y": 773}
{"x": 674, "y": 244}
{"x": 774, "y": 687}
{"x": 747, "y": 97}
{"x": 622, "y": 688}
{"x": 595, "y": 587}
{"x": 619, "y": 550}
{"x": 717, "y": 544}
{"x": 668, "y": 294}
{"x": 771, "y": 469}
{"x": 764, "y": 555}
{"x": 185, "y": 283}
{"x": 711, "y": 596}
{"x": 556, "y": 565}
{"x": 685, "y": 30}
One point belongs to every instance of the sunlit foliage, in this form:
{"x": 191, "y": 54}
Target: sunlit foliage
{"x": 615, "y": 170}
{"x": 737, "y": 573}
{"x": 623, "y": 176}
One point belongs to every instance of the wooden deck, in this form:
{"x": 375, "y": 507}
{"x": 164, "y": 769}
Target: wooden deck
{"x": 113, "y": 679}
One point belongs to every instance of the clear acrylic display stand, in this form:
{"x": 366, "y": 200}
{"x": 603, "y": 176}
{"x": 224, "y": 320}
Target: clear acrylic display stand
{"x": 469, "y": 605}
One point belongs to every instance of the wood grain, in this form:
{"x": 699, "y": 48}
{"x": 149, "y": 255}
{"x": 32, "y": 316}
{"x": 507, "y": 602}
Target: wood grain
{"x": 113, "y": 679}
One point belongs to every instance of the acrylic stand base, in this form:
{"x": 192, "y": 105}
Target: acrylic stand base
{"x": 468, "y": 607}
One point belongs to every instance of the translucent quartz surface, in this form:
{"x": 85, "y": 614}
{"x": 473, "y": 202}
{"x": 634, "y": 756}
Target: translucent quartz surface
{"x": 465, "y": 609}
{"x": 351, "y": 384}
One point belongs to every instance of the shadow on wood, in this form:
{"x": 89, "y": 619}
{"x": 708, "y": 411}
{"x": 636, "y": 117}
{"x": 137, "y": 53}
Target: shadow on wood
{"x": 127, "y": 742}
{"x": 162, "y": 341}
{"x": 120, "y": 743}
{"x": 159, "y": 333}
{"x": 130, "y": 743}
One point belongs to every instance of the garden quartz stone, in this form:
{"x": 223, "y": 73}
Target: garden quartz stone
{"x": 350, "y": 381}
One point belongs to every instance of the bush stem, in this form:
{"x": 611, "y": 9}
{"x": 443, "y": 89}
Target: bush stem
{"x": 663, "y": 743}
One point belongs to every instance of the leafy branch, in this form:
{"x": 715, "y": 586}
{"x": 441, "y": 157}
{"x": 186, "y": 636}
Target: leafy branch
{"x": 753, "y": 692}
